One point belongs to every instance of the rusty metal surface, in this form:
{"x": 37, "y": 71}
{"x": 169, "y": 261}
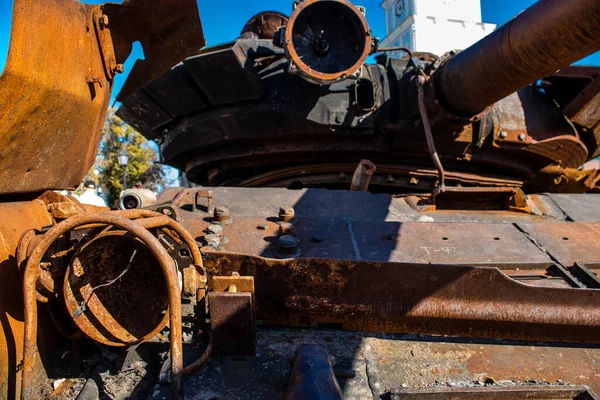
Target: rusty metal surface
{"x": 479, "y": 198}
{"x": 532, "y": 392}
{"x": 387, "y": 363}
{"x": 484, "y": 244}
{"x": 362, "y": 176}
{"x": 113, "y": 314}
{"x": 581, "y": 208}
{"x": 321, "y": 204}
{"x": 416, "y": 298}
{"x": 31, "y": 215}
{"x": 549, "y": 35}
{"x": 580, "y": 242}
{"x": 531, "y": 121}
{"x": 30, "y": 349}
{"x": 48, "y": 94}
{"x": 233, "y": 323}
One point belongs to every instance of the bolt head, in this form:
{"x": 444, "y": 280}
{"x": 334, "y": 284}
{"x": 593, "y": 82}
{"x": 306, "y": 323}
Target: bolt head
{"x": 213, "y": 240}
{"x": 287, "y": 228}
{"x": 503, "y": 135}
{"x": 103, "y": 20}
{"x": 215, "y": 229}
{"x": 287, "y": 241}
{"x": 119, "y": 68}
{"x": 522, "y": 137}
{"x": 222, "y": 211}
{"x": 286, "y": 213}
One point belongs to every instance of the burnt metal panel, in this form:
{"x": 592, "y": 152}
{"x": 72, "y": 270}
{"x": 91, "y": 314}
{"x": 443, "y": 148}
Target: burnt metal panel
{"x": 168, "y": 31}
{"x": 225, "y": 75}
{"x": 579, "y": 208}
{"x": 176, "y": 92}
{"x": 567, "y": 243}
{"x": 141, "y": 112}
{"x": 442, "y": 243}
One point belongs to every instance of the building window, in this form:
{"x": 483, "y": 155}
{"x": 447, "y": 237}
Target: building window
{"x": 400, "y": 9}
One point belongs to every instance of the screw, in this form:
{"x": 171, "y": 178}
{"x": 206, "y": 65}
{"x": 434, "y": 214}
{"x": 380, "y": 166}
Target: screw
{"x": 263, "y": 227}
{"x": 522, "y": 137}
{"x": 103, "y": 20}
{"x": 286, "y": 214}
{"x": 503, "y": 135}
{"x": 287, "y": 243}
{"x": 287, "y": 228}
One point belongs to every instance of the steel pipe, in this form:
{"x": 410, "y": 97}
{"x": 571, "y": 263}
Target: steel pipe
{"x": 549, "y": 35}
{"x": 32, "y": 272}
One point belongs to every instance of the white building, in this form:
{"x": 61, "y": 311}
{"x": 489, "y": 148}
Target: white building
{"x": 434, "y": 26}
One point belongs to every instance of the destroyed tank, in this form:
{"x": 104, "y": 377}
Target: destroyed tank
{"x": 416, "y": 227}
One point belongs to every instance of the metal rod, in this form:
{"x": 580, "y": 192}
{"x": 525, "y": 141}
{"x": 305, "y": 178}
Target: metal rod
{"x": 362, "y": 176}
{"x": 397, "y": 48}
{"x": 427, "y": 126}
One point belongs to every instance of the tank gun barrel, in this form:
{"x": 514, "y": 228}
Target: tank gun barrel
{"x": 549, "y": 35}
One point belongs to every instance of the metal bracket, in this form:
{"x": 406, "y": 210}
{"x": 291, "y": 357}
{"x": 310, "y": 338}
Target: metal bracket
{"x": 488, "y": 198}
{"x": 231, "y": 305}
{"x": 107, "y": 49}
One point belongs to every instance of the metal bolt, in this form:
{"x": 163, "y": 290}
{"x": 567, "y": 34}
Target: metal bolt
{"x": 119, "y": 69}
{"x": 503, "y": 135}
{"x": 287, "y": 243}
{"x": 221, "y": 213}
{"x": 213, "y": 240}
{"x": 103, "y": 20}
{"x": 522, "y": 137}
{"x": 286, "y": 214}
{"x": 215, "y": 229}
{"x": 287, "y": 228}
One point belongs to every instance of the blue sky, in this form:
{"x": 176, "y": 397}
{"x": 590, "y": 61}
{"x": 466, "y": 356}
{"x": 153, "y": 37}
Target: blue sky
{"x": 223, "y": 24}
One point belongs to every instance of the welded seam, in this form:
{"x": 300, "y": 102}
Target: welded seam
{"x": 353, "y": 240}
{"x": 560, "y": 265}
{"x": 567, "y": 216}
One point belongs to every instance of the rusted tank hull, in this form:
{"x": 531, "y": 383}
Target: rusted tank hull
{"x": 15, "y": 219}
{"x": 61, "y": 100}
